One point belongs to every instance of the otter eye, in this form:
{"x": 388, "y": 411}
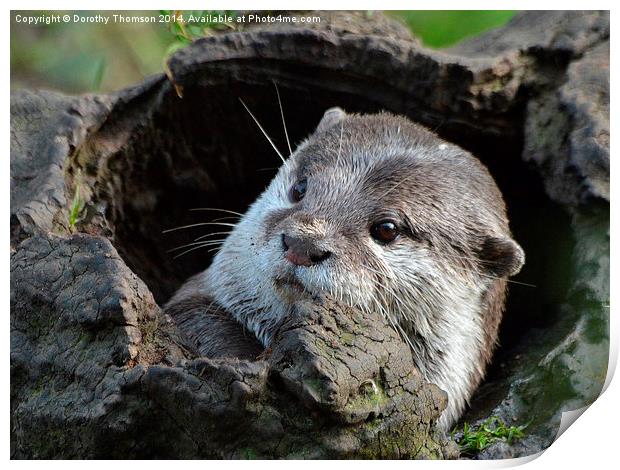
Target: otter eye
{"x": 385, "y": 231}
{"x": 298, "y": 191}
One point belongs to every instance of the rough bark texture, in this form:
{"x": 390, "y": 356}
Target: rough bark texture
{"x": 98, "y": 371}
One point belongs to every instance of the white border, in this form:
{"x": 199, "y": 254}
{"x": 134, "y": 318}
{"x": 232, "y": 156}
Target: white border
{"x": 590, "y": 443}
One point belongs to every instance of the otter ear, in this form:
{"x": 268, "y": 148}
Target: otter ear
{"x": 331, "y": 117}
{"x": 501, "y": 256}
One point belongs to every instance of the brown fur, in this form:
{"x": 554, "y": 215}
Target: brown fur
{"x": 451, "y": 258}
{"x": 213, "y": 332}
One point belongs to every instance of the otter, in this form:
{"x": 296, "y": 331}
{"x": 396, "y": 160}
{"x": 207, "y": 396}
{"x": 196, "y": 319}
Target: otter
{"x": 383, "y": 215}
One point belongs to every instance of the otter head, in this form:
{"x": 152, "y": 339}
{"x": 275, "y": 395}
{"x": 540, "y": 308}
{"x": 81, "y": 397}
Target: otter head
{"x": 383, "y": 215}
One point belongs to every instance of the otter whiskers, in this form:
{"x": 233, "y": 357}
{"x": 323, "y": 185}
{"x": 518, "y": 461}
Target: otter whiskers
{"x": 487, "y": 263}
{"x": 183, "y": 227}
{"x": 263, "y": 131}
{"x": 212, "y": 234}
{"x": 196, "y": 245}
{"x": 216, "y": 209}
{"x": 201, "y": 242}
{"x": 290, "y": 151}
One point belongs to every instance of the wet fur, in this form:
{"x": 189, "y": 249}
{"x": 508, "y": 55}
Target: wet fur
{"x": 442, "y": 283}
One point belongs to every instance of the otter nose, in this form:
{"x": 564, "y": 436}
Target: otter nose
{"x": 302, "y": 252}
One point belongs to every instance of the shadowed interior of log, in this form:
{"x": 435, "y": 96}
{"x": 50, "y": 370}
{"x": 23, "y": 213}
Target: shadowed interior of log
{"x": 204, "y": 151}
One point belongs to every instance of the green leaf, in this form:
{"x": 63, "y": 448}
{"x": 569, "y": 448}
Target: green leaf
{"x": 99, "y": 73}
{"x": 476, "y": 438}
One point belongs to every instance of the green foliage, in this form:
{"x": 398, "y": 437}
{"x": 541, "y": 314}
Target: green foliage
{"x": 77, "y": 205}
{"x": 188, "y": 25}
{"x": 85, "y": 57}
{"x": 99, "y": 73}
{"x": 443, "y": 28}
{"x": 473, "y": 439}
